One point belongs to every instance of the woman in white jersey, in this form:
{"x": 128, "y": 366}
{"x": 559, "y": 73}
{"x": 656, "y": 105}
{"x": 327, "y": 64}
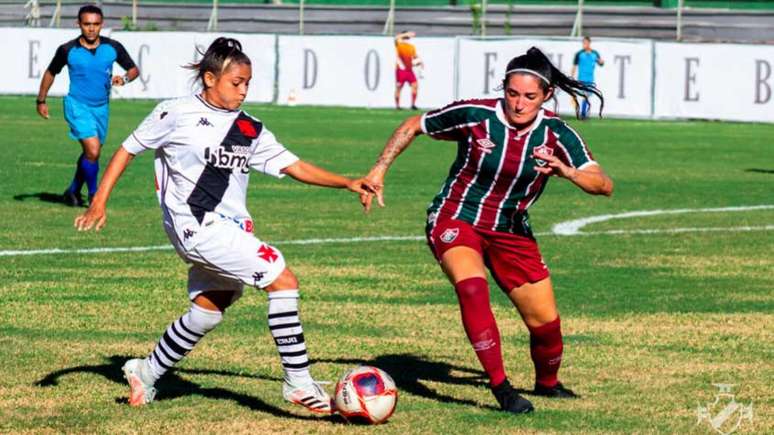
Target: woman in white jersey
{"x": 205, "y": 147}
{"x": 506, "y": 150}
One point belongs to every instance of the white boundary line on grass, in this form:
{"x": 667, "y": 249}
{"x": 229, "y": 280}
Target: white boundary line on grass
{"x": 567, "y": 228}
{"x": 573, "y": 227}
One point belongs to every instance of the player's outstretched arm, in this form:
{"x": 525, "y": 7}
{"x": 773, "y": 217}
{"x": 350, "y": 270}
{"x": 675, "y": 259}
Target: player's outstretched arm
{"x": 308, "y": 173}
{"x": 400, "y": 140}
{"x": 95, "y": 216}
{"x": 591, "y": 179}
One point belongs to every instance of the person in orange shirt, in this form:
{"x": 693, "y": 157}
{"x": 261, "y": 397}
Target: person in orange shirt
{"x": 404, "y": 67}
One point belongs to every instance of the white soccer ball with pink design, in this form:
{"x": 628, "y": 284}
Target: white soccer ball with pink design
{"x": 366, "y": 394}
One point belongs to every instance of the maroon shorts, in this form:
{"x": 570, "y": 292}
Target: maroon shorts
{"x": 404, "y": 76}
{"x": 514, "y": 260}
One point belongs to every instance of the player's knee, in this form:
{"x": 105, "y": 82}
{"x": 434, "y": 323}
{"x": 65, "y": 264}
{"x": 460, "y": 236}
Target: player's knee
{"x": 471, "y": 288}
{"x": 91, "y": 154}
{"x": 285, "y": 281}
{"x": 203, "y": 320}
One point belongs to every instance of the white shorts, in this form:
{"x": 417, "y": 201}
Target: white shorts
{"x": 226, "y": 257}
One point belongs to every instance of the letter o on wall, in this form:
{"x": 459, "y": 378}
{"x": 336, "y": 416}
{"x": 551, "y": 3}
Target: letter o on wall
{"x": 372, "y": 70}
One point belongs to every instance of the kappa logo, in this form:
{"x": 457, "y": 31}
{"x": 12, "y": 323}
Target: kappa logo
{"x": 728, "y": 413}
{"x": 485, "y": 145}
{"x": 204, "y": 121}
{"x": 450, "y": 234}
{"x": 257, "y": 277}
{"x": 163, "y": 114}
{"x": 542, "y": 149}
{"x": 188, "y": 233}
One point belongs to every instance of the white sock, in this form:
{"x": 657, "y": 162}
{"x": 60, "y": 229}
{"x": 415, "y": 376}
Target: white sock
{"x": 285, "y": 327}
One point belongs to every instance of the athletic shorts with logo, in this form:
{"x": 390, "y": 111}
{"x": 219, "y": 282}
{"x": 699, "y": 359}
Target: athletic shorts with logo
{"x": 513, "y": 259}
{"x": 226, "y": 256}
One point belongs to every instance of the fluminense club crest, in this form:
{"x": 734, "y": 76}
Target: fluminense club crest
{"x": 450, "y": 234}
{"x": 725, "y": 414}
{"x": 542, "y": 149}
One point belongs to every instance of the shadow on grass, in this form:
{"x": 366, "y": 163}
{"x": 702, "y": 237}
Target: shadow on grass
{"x": 760, "y": 171}
{"x": 172, "y": 386}
{"x": 409, "y": 371}
{"x": 55, "y": 198}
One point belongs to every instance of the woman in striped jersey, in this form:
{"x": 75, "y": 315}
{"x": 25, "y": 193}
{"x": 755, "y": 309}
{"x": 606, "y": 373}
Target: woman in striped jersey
{"x": 205, "y": 147}
{"x": 507, "y": 148}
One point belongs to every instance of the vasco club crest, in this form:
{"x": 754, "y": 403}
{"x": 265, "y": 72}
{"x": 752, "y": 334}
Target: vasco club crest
{"x": 725, "y": 414}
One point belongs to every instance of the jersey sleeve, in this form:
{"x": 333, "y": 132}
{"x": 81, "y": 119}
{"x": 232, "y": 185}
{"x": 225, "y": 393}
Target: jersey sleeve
{"x": 451, "y": 122}
{"x": 576, "y": 60}
{"x": 572, "y": 148}
{"x": 59, "y": 61}
{"x": 122, "y": 56}
{"x": 271, "y": 157}
{"x": 154, "y": 131}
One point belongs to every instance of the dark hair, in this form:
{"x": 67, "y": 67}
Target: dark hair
{"x": 89, "y": 9}
{"x": 587, "y": 38}
{"x": 536, "y": 63}
{"x": 221, "y": 53}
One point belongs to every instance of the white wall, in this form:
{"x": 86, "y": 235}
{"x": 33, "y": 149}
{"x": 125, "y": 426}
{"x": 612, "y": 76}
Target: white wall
{"x": 713, "y": 81}
{"x": 625, "y": 80}
{"x": 29, "y": 51}
{"x": 161, "y": 57}
{"x": 357, "y": 71}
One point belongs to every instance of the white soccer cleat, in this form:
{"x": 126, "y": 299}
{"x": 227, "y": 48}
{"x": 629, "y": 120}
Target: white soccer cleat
{"x": 311, "y": 396}
{"x": 140, "y": 392}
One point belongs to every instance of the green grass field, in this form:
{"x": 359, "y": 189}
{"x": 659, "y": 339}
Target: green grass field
{"x": 651, "y": 320}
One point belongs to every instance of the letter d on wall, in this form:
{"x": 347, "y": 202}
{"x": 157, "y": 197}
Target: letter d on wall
{"x": 310, "y": 68}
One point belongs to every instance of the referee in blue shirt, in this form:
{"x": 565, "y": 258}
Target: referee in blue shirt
{"x": 586, "y": 60}
{"x": 89, "y": 60}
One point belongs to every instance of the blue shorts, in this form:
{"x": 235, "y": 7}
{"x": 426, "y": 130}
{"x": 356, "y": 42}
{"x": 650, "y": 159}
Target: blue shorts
{"x": 86, "y": 121}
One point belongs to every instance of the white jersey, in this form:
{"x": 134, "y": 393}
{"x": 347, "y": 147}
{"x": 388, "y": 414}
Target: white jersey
{"x": 203, "y": 160}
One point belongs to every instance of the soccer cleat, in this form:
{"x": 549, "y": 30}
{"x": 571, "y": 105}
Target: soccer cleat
{"x": 72, "y": 199}
{"x": 558, "y": 391}
{"x": 140, "y": 392}
{"x": 310, "y": 396}
{"x": 510, "y": 400}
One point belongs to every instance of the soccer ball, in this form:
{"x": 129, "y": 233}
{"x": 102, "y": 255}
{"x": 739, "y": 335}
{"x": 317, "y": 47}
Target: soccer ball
{"x": 366, "y": 394}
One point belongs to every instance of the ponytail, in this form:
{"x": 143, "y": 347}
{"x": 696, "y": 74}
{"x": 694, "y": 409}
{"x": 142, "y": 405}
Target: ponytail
{"x": 221, "y": 54}
{"x": 536, "y": 63}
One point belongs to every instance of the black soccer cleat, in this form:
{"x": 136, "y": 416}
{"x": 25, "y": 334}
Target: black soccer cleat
{"x": 558, "y": 391}
{"x": 510, "y": 400}
{"x": 72, "y": 199}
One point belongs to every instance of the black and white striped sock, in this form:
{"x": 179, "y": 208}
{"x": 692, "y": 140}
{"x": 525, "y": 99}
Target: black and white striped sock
{"x": 288, "y": 334}
{"x": 180, "y": 337}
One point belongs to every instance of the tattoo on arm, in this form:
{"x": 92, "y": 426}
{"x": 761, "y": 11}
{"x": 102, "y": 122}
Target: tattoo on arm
{"x": 398, "y": 142}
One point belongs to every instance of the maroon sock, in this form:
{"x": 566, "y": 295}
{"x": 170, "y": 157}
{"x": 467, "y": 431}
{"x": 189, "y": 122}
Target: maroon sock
{"x": 480, "y": 326}
{"x": 545, "y": 345}
{"x": 413, "y": 99}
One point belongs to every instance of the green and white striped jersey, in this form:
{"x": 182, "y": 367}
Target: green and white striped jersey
{"x": 493, "y": 181}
